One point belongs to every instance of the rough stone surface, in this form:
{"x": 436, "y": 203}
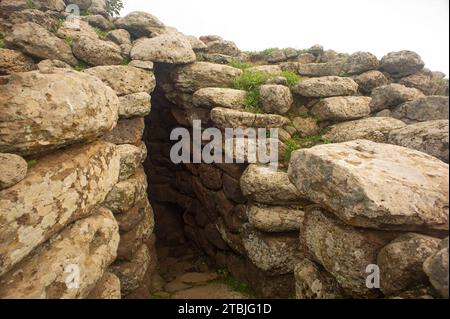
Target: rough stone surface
{"x": 119, "y": 36}
{"x": 342, "y": 108}
{"x": 89, "y": 244}
{"x": 62, "y": 187}
{"x": 13, "y": 169}
{"x": 166, "y": 48}
{"x": 127, "y": 131}
{"x": 360, "y": 62}
{"x": 430, "y": 137}
{"x": 370, "y": 80}
{"x": 275, "y": 98}
{"x": 402, "y": 63}
{"x": 14, "y": 61}
{"x": 141, "y": 24}
{"x": 95, "y": 51}
{"x": 388, "y": 96}
{"x": 124, "y": 79}
{"x": 131, "y": 157}
{"x": 436, "y": 267}
{"x": 42, "y": 112}
{"x": 137, "y": 104}
{"x": 326, "y": 87}
{"x": 36, "y": 41}
{"x": 430, "y": 83}
{"x": 423, "y": 109}
{"x": 356, "y": 181}
{"x": 374, "y": 129}
{"x": 306, "y": 126}
{"x": 274, "y": 219}
{"x": 272, "y": 70}
{"x": 223, "y": 47}
{"x": 228, "y": 118}
{"x": 263, "y": 185}
{"x": 401, "y": 262}
{"x": 321, "y": 69}
{"x": 107, "y": 288}
{"x": 217, "y": 97}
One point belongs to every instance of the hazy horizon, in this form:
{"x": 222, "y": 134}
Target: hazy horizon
{"x": 379, "y": 27}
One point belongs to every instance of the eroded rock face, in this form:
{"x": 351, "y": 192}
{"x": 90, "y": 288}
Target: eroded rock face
{"x": 342, "y": 108}
{"x": 263, "y": 185}
{"x": 62, "y": 187}
{"x": 107, "y": 288}
{"x": 321, "y": 69}
{"x": 344, "y": 251}
{"x": 192, "y": 77}
{"x": 436, "y": 267}
{"x": 228, "y": 118}
{"x": 275, "y": 98}
{"x": 41, "y": 112}
{"x": 131, "y": 157}
{"x": 275, "y": 253}
{"x": 402, "y": 63}
{"x": 218, "y": 97}
{"x": 36, "y": 41}
{"x": 388, "y": 96}
{"x": 13, "y": 61}
{"x": 430, "y": 137}
{"x": 360, "y": 62}
{"x": 88, "y": 245}
{"x": 223, "y": 47}
{"x": 375, "y": 129}
{"x": 13, "y": 169}
{"x": 119, "y": 36}
{"x": 167, "y": 48}
{"x": 401, "y": 262}
{"x": 136, "y": 104}
{"x": 141, "y": 24}
{"x": 430, "y": 83}
{"x": 274, "y": 219}
{"x": 370, "y": 80}
{"x": 326, "y": 87}
{"x": 423, "y": 109}
{"x": 95, "y": 51}
{"x": 356, "y": 181}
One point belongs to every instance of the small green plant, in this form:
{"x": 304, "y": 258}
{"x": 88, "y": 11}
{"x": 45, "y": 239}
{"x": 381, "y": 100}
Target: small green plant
{"x": 2, "y": 44}
{"x": 113, "y": 7}
{"x": 31, "y": 163}
{"x": 240, "y": 65}
{"x": 224, "y": 277}
{"x": 291, "y": 146}
{"x": 84, "y": 13}
{"x": 30, "y": 4}
{"x": 80, "y": 67}
{"x": 292, "y": 78}
{"x": 112, "y": 25}
{"x": 68, "y": 40}
{"x": 101, "y": 34}
{"x": 126, "y": 60}
{"x": 250, "y": 82}
{"x": 58, "y": 24}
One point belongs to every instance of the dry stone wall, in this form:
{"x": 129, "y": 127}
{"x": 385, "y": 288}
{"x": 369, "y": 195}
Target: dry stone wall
{"x": 362, "y": 183}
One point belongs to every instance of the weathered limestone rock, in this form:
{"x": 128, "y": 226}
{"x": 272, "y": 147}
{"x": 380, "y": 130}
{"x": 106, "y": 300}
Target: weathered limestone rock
{"x": 124, "y": 195}
{"x": 342, "y": 108}
{"x": 332, "y": 68}
{"x": 218, "y": 97}
{"x": 306, "y": 126}
{"x": 34, "y": 40}
{"x": 192, "y": 77}
{"x": 84, "y": 30}
{"x": 49, "y": 66}
{"x": 54, "y": 5}
{"x": 344, "y": 251}
{"x": 436, "y": 267}
{"x": 62, "y": 187}
{"x": 136, "y": 104}
{"x": 166, "y": 48}
{"x": 131, "y": 157}
{"x": 275, "y": 98}
{"x": 375, "y": 129}
{"x": 312, "y": 282}
{"x": 32, "y": 15}
{"x": 430, "y": 137}
{"x": 401, "y": 262}
{"x": 273, "y": 219}
{"x": 131, "y": 219}
{"x": 223, "y": 47}
{"x": 402, "y": 63}
{"x": 272, "y": 70}
{"x": 196, "y": 44}
{"x": 326, "y": 87}
{"x": 89, "y": 246}
{"x": 370, "y": 80}
{"x": 127, "y": 131}
{"x": 14, "y": 61}
{"x": 430, "y": 83}
{"x": 42, "y": 112}
{"x": 360, "y": 62}
{"x": 13, "y": 169}
{"x": 275, "y": 253}
{"x": 210, "y": 176}
{"x": 124, "y": 79}
{"x": 95, "y": 51}
{"x": 9, "y": 6}
{"x": 119, "y": 36}
{"x": 388, "y": 96}
{"x": 356, "y": 181}
{"x": 145, "y": 65}
{"x": 131, "y": 273}
{"x": 98, "y": 7}
{"x": 107, "y": 288}
{"x": 423, "y": 109}
{"x": 141, "y": 24}
{"x": 229, "y": 118}
{"x": 261, "y": 184}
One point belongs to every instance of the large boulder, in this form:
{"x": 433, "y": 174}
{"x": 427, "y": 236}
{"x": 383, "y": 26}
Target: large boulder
{"x": 167, "y": 48}
{"x": 430, "y": 137}
{"x": 326, "y": 87}
{"x": 33, "y": 15}
{"x": 13, "y": 169}
{"x": 388, "y": 96}
{"x": 223, "y": 47}
{"x": 423, "y": 109}
{"x": 430, "y": 83}
{"x": 218, "y": 97}
{"x": 124, "y": 79}
{"x": 119, "y": 36}
{"x": 127, "y": 131}
{"x": 106, "y": 288}
{"x": 136, "y": 104}
{"x": 36, "y": 41}
{"x": 344, "y": 251}
{"x": 321, "y": 69}
{"x": 360, "y": 62}
{"x": 192, "y": 77}
{"x": 273, "y": 219}
{"x": 275, "y": 98}
{"x": 53, "y": 5}
{"x": 228, "y": 118}
{"x": 41, "y": 112}
{"x": 95, "y": 51}
{"x": 401, "y": 262}
{"x": 370, "y": 80}
{"x": 62, "y": 187}
{"x": 356, "y": 181}
{"x": 402, "y": 63}
{"x": 14, "y": 61}
{"x": 275, "y": 253}
{"x": 342, "y": 108}
{"x": 375, "y": 129}
{"x": 86, "y": 248}
{"x": 141, "y": 24}
{"x": 436, "y": 268}
{"x": 261, "y": 184}
{"x": 131, "y": 157}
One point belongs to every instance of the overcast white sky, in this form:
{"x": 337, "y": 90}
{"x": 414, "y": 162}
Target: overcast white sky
{"x": 378, "y": 26}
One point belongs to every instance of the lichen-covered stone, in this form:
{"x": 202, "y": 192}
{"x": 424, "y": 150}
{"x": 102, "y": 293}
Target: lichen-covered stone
{"x": 327, "y": 86}
{"x": 342, "y": 108}
{"x": 388, "y": 96}
{"x": 360, "y": 62}
{"x": 13, "y": 169}
{"x": 106, "y": 288}
{"x": 273, "y": 219}
{"x": 137, "y": 104}
{"x": 402, "y": 63}
{"x": 219, "y": 97}
{"x": 422, "y": 109}
{"x": 228, "y": 118}
{"x": 370, "y": 80}
{"x": 95, "y": 51}
{"x": 141, "y": 24}
{"x": 436, "y": 267}
{"x": 14, "y": 61}
{"x": 275, "y": 98}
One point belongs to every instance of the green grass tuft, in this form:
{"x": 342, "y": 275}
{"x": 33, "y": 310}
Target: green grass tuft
{"x": 80, "y": 67}
{"x": 68, "y": 40}
{"x": 250, "y": 82}
{"x": 240, "y": 65}
{"x": 292, "y": 78}
{"x": 2, "y": 44}
{"x": 226, "y": 278}
{"x": 31, "y": 163}
{"x": 30, "y": 4}
{"x": 296, "y": 142}
{"x": 101, "y": 34}
{"x": 126, "y": 60}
